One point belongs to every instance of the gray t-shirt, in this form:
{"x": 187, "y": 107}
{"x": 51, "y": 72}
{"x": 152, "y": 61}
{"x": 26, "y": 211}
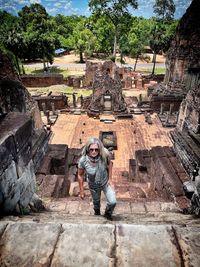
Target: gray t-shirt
{"x": 91, "y": 170}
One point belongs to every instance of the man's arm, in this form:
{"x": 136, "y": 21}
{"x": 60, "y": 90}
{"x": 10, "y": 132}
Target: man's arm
{"x": 81, "y": 173}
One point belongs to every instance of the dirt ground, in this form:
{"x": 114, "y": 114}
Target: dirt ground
{"x": 74, "y": 58}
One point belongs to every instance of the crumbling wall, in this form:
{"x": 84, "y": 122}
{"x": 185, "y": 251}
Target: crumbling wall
{"x": 160, "y": 168}
{"x": 42, "y": 80}
{"x": 183, "y": 57}
{"x": 182, "y": 61}
{"x": 106, "y": 85}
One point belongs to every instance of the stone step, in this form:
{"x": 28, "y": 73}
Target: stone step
{"x": 79, "y": 243}
{"x": 85, "y": 207}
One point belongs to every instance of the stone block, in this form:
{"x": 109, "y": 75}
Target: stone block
{"x": 19, "y": 125}
{"x": 94, "y": 247}
{"x": 140, "y": 245}
{"x": 28, "y": 244}
{"x": 137, "y": 207}
{"x": 7, "y": 150}
{"x": 23, "y": 158}
{"x": 10, "y": 188}
{"x": 27, "y": 185}
{"x": 189, "y": 240}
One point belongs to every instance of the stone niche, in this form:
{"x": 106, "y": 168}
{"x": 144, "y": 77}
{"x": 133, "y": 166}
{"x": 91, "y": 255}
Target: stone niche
{"x": 182, "y": 62}
{"x": 107, "y": 93}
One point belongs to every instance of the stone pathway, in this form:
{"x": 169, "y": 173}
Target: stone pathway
{"x": 131, "y": 135}
{"x": 141, "y": 234}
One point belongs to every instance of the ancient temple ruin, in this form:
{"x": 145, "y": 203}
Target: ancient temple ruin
{"x": 181, "y": 88}
{"x": 107, "y": 92}
{"x": 182, "y": 63}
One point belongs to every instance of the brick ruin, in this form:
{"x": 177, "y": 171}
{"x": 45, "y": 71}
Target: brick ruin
{"x": 107, "y": 93}
{"x": 178, "y": 95}
{"x": 129, "y": 78}
{"x": 182, "y": 66}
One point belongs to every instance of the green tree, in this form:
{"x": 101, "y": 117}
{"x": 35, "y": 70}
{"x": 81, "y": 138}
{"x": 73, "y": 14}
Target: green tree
{"x": 164, "y": 9}
{"x": 12, "y": 37}
{"x": 138, "y": 38}
{"x": 160, "y": 36}
{"x": 64, "y": 28}
{"x": 83, "y": 40}
{"x": 114, "y": 10}
{"x": 157, "y": 41}
{"x": 39, "y": 33}
{"x": 103, "y": 31}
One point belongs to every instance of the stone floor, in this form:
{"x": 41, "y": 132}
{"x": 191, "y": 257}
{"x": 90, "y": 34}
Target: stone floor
{"x": 132, "y": 134}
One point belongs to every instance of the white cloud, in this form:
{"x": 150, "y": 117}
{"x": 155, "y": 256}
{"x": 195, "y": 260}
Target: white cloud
{"x": 35, "y": 1}
{"x": 57, "y": 4}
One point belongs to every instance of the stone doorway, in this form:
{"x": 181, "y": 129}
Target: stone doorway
{"x": 107, "y": 102}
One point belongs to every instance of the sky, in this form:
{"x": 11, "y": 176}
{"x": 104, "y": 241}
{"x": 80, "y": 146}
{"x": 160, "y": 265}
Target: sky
{"x": 67, "y": 7}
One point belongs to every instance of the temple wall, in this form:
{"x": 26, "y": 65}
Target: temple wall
{"x": 17, "y": 177}
{"x": 42, "y": 80}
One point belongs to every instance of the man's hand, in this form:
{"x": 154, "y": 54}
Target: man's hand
{"x": 82, "y": 195}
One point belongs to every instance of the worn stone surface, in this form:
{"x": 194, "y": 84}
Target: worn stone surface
{"x": 189, "y": 241}
{"x": 28, "y": 244}
{"x": 162, "y": 169}
{"x": 80, "y": 247}
{"x": 17, "y": 177}
{"x": 139, "y": 245}
{"x": 92, "y": 241}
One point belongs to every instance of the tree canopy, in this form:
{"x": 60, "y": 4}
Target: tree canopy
{"x": 164, "y": 9}
{"x": 111, "y": 28}
{"x": 114, "y": 10}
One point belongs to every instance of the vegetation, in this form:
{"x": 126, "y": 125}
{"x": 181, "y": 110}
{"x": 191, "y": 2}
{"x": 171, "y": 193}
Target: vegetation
{"x": 35, "y": 35}
{"x": 162, "y": 30}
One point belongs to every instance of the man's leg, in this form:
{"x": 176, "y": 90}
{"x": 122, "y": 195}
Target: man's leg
{"x": 96, "y": 197}
{"x": 111, "y": 201}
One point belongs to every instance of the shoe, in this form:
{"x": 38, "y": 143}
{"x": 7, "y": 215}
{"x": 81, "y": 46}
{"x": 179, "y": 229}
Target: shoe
{"x": 97, "y": 212}
{"x": 108, "y": 216}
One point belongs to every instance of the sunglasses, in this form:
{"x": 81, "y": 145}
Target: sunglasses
{"x": 94, "y": 149}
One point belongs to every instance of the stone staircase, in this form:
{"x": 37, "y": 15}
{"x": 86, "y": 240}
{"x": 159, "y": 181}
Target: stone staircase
{"x": 142, "y": 233}
{"x": 145, "y": 231}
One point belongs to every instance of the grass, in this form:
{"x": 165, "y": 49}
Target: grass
{"x": 149, "y": 70}
{"x": 53, "y": 70}
{"x": 78, "y": 92}
{"x": 58, "y": 89}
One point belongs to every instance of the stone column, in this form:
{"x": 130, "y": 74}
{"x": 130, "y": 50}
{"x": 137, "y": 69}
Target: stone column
{"x": 161, "y": 108}
{"x": 74, "y": 99}
{"x": 139, "y": 84}
{"x": 53, "y": 108}
{"x": 167, "y": 117}
{"x": 171, "y": 108}
{"x": 44, "y": 108}
{"x": 48, "y": 117}
{"x": 81, "y": 98}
